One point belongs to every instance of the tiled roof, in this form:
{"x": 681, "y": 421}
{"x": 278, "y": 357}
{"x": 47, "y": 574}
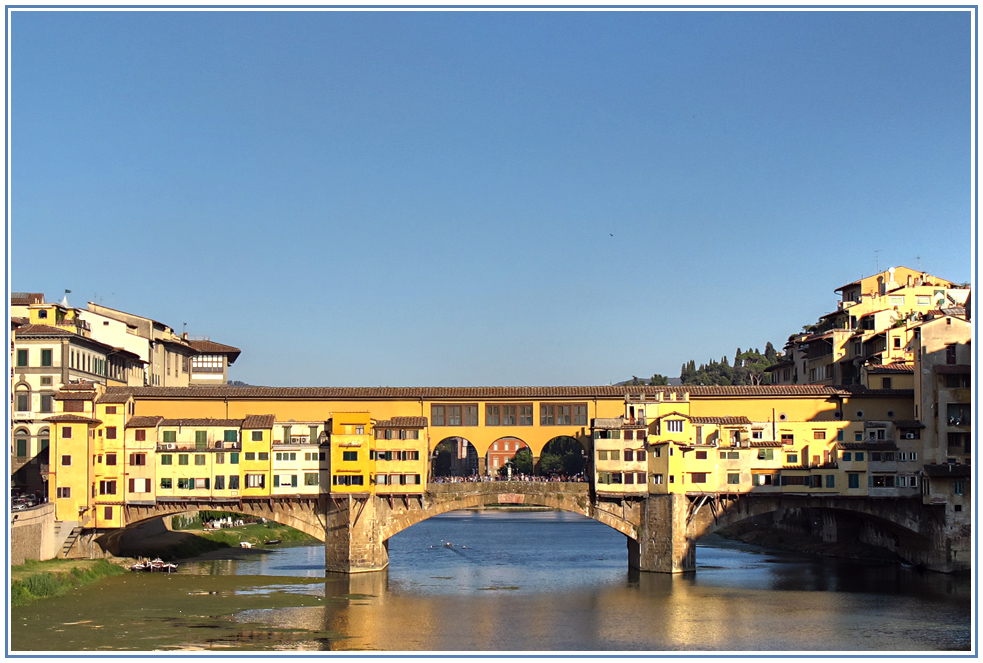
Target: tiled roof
{"x": 213, "y": 348}
{"x": 781, "y": 364}
{"x": 435, "y": 393}
{"x": 258, "y": 421}
{"x": 144, "y": 422}
{"x": 402, "y": 422}
{"x": 948, "y": 470}
{"x": 890, "y": 368}
{"x": 43, "y": 330}
{"x": 75, "y": 395}
{"x": 952, "y": 369}
{"x": 117, "y": 397}
{"x": 673, "y": 414}
{"x": 201, "y": 422}
{"x": 722, "y": 421}
{"x": 73, "y": 418}
{"x": 765, "y": 443}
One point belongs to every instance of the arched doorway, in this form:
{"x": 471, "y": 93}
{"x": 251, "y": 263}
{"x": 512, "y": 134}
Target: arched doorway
{"x": 563, "y": 457}
{"x": 454, "y": 457}
{"x": 505, "y": 452}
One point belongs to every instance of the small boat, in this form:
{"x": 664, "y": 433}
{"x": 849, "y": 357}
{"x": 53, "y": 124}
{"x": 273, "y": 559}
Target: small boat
{"x": 447, "y": 545}
{"x": 154, "y": 565}
{"x": 272, "y": 542}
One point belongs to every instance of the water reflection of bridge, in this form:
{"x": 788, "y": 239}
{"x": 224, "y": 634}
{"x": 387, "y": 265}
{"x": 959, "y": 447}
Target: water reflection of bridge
{"x": 660, "y": 530}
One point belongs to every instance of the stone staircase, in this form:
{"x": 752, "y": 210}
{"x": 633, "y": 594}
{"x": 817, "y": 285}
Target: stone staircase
{"x": 67, "y": 533}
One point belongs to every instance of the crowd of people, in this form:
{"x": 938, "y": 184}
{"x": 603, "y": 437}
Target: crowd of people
{"x": 478, "y": 478}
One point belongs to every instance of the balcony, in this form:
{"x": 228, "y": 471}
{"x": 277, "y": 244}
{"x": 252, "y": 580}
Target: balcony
{"x": 192, "y": 446}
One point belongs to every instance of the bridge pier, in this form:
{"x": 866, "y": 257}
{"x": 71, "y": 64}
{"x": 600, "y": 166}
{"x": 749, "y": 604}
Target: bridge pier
{"x": 663, "y": 545}
{"x": 353, "y": 540}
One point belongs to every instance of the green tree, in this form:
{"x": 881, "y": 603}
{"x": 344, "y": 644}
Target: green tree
{"x": 521, "y": 462}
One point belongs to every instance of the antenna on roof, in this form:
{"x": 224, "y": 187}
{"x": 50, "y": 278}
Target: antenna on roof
{"x": 877, "y": 260}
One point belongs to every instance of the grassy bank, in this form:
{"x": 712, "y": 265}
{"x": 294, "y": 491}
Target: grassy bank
{"x": 35, "y": 580}
{"x": 187, "y": 543}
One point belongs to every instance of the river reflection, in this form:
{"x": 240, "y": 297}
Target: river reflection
{"x": 518, "y": 582}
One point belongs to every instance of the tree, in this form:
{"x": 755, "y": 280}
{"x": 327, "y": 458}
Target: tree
{"x": 521, "y": 462}
{"x": 658, "y": 380}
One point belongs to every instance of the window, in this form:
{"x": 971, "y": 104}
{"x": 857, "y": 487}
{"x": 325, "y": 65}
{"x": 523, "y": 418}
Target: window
{"x": 347, "y": 480}
{"x": 234, "y": 459}
{"x": 233, "y": 482}
{"x": 846, "y": 455}
{"x": 858, "y": 456}
{"x": 22, "y": 357}
{"x": 166, "y": 459}
{"x": 24, "y": 400}
{"x": 184, "y": 484}
{"x": 698, "y": 477}
{"x": 885, "y": 383}
{"x": 107, "y": 487}
{"x": 557, "y": 414}
{"x": 166, "y": 483}
{"x": 220, "y": 482}
{"x": 107, "y": 513}
{"x": 21, "y": 445}
{"x": 66, "y": 460}
{"x": 349, "y": 455}
{"x": 46, "y": 357}
{"x": 957, "y": 487}
{"x": 629, "y": 455}
{"x": 255, "y": 481}
{"x": 674, "y": 425}
{"x": 310, "y": 478}
{"x": 791, "y": 459}
{"x": 950, "y": 354}
{"x": 201, "y": 439}
{"x": 602, "y": 454}
{"x": 733, "y": 478}
{"x": 250, "y": 455}
{"x": 138, "y": 459}
{"x": 46, "y": 381}
{"x": 230, "y": 436}
{"x": 959, "y": 414}
{"x": 73, "y": 406}
{"x": 63, "y": 493}
{"x": 257, "y": 436}
{"x": 819, "y": 435}
{"x": 656, "y": 479}
{"x": 199, "y": 459}
{"x": 766, "y": 454}
{"x": 896, "y": 299}
{"x": 853, "y": 480}
{"x": 839, "y": 435}
{"x": 182, "y": 459}
{"x": 220, "y": 458}
{"x": 701, "y": 455}
{"x": 831, "y": 481}
{"x": 263, "y": 455}
{"x": 140, "y": 435}
{"x": 788, "y": 438}
{"x": 110, "y": 432}
{"x": 110, "y": 459}
{"x": 640, "y": 456}
{"x": 882, "y": 481}
{"x": 170, "y": 436}
{"x": 47, "y": 404}
{"x": 757, "y": 435}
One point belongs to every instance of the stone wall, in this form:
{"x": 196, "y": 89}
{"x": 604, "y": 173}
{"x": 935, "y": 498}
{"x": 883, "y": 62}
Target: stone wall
{"x": 32, "y": 534}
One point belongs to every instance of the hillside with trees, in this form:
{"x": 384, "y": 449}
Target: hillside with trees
{"x": 748, "y": 368}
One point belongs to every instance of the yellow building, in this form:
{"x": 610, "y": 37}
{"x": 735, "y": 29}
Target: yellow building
{"x": 401, "y": 461}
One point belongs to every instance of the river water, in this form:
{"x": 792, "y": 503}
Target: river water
{"x": 536, "y": 582}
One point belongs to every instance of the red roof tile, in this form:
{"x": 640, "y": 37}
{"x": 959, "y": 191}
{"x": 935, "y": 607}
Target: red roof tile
{"x": 511, "y": 393}
{"x": 201, "y": 422}
{"x": 144, "y": 422}
{"x": 258, "y": 421}
{"x": 73, "y": 418}
{"x": 723, "y": 421}
{"x": 213, "y": 348}
{"x": 402, "y": 422}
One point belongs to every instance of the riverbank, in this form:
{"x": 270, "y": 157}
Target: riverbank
{"x": 174, "y": 545}
{"x": 34, "y": 580}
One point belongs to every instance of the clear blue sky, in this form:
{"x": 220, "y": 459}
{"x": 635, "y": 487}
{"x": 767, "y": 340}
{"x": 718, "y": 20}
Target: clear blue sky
{"x": 484, "y": 198}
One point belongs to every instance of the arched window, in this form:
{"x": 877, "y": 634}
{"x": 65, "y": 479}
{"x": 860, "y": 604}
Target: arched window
{"x": 22, "y": 438}
{"x": 44, "y": 439}
{"x": 23, "y": 398}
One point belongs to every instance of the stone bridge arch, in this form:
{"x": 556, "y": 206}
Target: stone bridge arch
{"x": 913, "y": 532}
{"x": 301, "y": 514}
{"x": 444, "y": 498}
